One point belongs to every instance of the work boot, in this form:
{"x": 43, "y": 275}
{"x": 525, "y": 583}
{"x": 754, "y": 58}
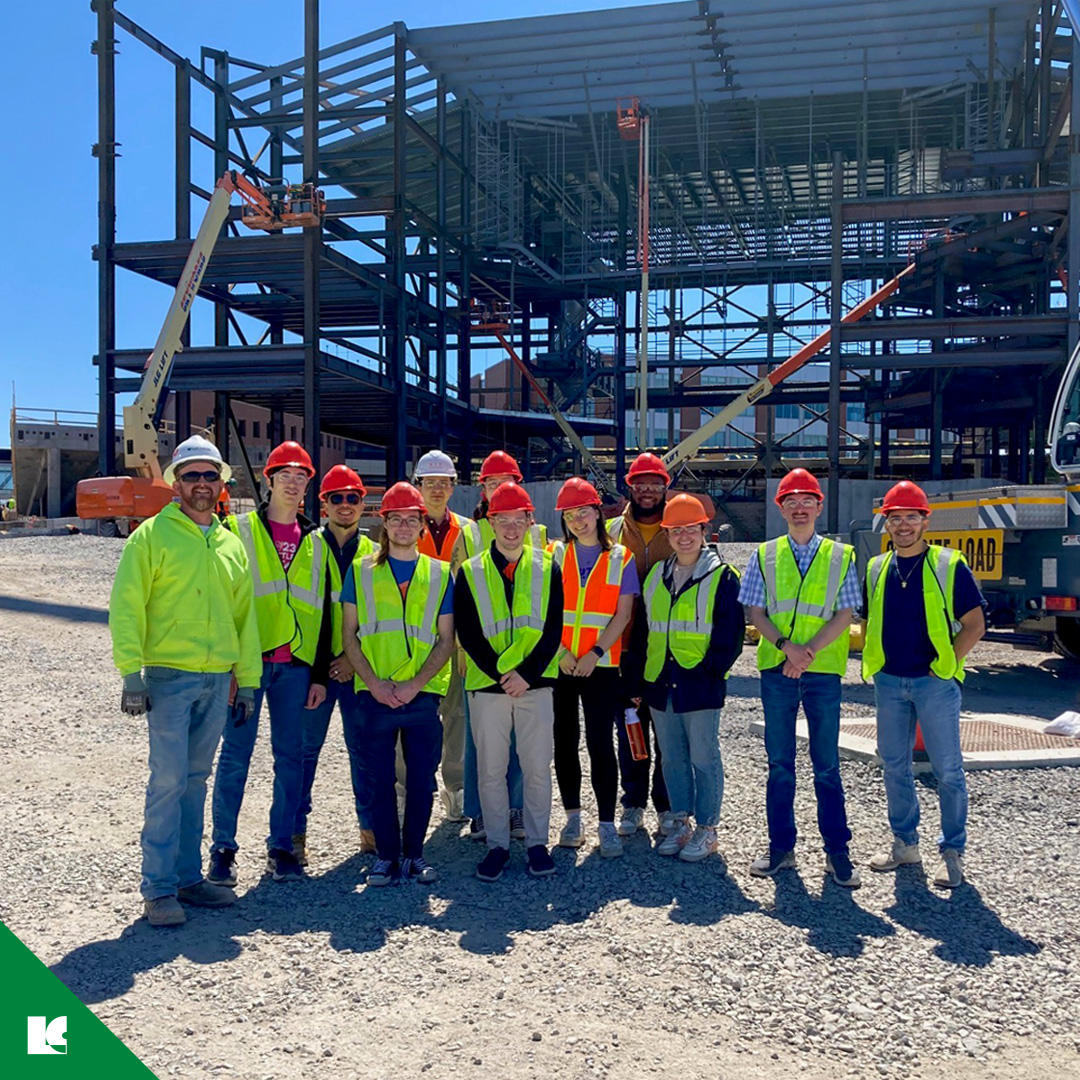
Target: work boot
{"x": 367, "y": 842}
{"x": 453, "y": 805}
{"x": 900, "y": 854}
{"x": 164, "y": 911}
{"x": 299, "y": 847}
{"x": 203, "y": 894}
{"x": 950, "y": 873}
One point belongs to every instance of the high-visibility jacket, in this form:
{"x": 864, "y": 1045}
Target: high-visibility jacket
{"x": 938, "y": 581}
{"x": 182, "y": 599}
{"x": 426, "y": 544}
{"x": 588, "y": 608}
{"x": 514, "y": 630}
{"x": 397, "y": 633}
{"x": 364, "y": 546}
{"x": 799, "y": 606}
{"x": 478, "y": 536}
{"x": 288, "y": 606}
{"x": 684, "y": 627}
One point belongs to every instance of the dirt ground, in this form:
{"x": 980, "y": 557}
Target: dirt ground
{"x": 620, "y": 968}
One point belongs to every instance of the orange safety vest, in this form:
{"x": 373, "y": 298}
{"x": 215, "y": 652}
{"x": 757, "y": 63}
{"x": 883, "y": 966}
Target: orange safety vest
{"x": 426, "y": 544}
{"x": 588, "y": 608}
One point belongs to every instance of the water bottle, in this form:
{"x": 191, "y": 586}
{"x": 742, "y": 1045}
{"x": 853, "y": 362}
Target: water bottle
{"x": 635, "y": 735}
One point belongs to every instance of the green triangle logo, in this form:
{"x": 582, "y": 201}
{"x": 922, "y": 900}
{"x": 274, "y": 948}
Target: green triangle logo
{"x": 46, "y": 1031}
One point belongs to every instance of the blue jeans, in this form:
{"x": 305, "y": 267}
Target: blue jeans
{"x": 635, "y": 774}
{"x": 285, "y": 690}
{"x": 819, "y": 693}
{"x": 693, "y": 768}
{"x": 316, "y": 724}
{"x": 935, "y": 703}
{"x": 418, "y": 726}
{"x": 514, "y": 782}
{"x": 187, "y": 714}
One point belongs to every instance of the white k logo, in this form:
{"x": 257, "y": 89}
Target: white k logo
{"x": 42, "y": 1038}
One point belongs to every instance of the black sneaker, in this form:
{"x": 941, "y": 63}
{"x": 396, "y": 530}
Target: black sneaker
{"x": 843, "y": 872}
{"x": 772, "y": 863}
{"x": 493, "y": 864}
{"x": 384, "y": 872}
{"x": 284, "y": 865}
{"x": 476, "y": 829}
{"x": 222, "y": 867}
{"x": 541, "y": 864}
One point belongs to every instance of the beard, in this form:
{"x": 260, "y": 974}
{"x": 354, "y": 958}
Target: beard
{"x": 642, "y": 514}
{"x": 201, "y": 503}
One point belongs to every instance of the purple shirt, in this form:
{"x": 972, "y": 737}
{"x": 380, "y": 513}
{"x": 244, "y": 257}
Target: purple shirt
{"x": 586, "y": 560}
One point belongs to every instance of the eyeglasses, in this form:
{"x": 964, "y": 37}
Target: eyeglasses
{"x": 509, "y": 522}
{"x": 397, "y": 520}
{"x": 681, "y": 530}
{"x": 350, "y": 497}
{"x": 800, "y": 504}
{"x": 648, "y": 489}
{"x": 584, "y": 513}
{"x": 905, "y": 519}
{"x": 208, "y": 476}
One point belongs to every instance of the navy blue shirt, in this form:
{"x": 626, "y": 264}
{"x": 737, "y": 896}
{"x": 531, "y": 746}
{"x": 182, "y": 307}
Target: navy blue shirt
{"x": 904, "y": 636}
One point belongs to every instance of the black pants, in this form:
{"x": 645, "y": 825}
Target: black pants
{"x": 602, "y": 703}
{"x": 635, "y": 774}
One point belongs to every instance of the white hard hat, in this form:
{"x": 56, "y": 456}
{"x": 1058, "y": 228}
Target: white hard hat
{"x": 435, "y": 463}
{"x": 196, "y": 449}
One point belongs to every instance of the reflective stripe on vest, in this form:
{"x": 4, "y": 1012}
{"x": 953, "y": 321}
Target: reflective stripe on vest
{"x": 683, "y": 627}
{"x": 800, "y": 605}
{"x": 588, "y": 608}
{"x": 938, "y": 581}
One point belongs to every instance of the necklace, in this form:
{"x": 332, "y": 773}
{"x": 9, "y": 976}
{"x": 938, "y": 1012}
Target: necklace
{"x": 905, "y": 579}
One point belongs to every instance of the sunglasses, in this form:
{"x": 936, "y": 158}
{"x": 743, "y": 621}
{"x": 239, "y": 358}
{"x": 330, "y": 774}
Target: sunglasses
{"x": 350, "y": 497}
{"x": 652, "y": 489}
{"x": 207, "y": 477}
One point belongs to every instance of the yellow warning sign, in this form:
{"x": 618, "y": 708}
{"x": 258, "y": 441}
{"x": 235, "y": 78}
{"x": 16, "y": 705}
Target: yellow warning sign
{"x": 983, "y": 549}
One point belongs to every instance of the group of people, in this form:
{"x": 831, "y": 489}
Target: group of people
{"x": 483, "y": 645}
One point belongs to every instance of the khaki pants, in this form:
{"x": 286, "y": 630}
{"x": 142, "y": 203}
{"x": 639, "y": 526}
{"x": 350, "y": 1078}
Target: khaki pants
{"x": 531, "y": 718}
{"x": 452, "y": 713}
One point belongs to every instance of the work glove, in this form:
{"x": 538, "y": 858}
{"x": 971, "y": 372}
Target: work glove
{"x": 243, "y": 706}
{"x": 136, "y": 698}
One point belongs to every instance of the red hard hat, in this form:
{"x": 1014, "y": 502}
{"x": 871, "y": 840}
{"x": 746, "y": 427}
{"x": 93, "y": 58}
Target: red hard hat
{"x": 647, "y": 465}
{"x": 401, "y": 496}
{"x": 500, "y": 463}
{"x": 684, "y": 510}
{"x": 798, "y": 482}
{"x": 906, "y": 496}
{"x": 341, "y": 478}
{"x": 289, "y": 455}
{"x": 576, "y": 492}
{"x": 509, "y": 498}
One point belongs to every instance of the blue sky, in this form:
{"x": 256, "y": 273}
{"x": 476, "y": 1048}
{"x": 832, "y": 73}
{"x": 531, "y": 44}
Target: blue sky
{"x": 49, "y": 300}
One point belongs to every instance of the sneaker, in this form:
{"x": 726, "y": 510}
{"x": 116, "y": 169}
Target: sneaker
{"x": 610, "y": 842}
{"x": 665, "y": 822}
{"x": 203, "y": 894}
{"x": 493, "y": 864}
{"x": 384, "y": 872}
{"x": 283, "y": 865}
{"x": 701, "y": 845}
{"x": 164, "y": 911}
{"x": 571, "y": 835}
{"x": 675, "y": 839}
{"x": 517, "y": 824}
{"x": 951, "y": 871}
{"x": 419, "y": 870}
{"x": 633, "y": 818}
{"x": 541, "y": 864}
{"x": 453, "y": 805}
{"x": 772, "y": 863}
{"x": 299, "y": 847}
{"x": 476, "y": 829}
{"x": 367, "y": 842}
{"x": 843, "y": 872}
{"x": 901, "y": 854}
{"x": 222, "y": 867}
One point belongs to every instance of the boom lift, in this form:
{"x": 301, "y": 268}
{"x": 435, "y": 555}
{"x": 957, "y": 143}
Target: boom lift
{"x": 141, "y": 496}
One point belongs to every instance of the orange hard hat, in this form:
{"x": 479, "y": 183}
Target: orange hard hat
{"x": 576, "y": 492}
{"x": 499, "y": 463}
{"x": 289, "y": 455}
{"x": 647, "y": 465}
{"x": 401, "y": 496}
{"x": 798, "y": 482}
{"x": 906, "y": 496}
{"x": 509, "y": 498}
{"x": 684, "y": 510}
{"x": 341, "y": 478}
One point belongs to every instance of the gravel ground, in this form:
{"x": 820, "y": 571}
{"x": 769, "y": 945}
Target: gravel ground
{"x": 614, "y": 968}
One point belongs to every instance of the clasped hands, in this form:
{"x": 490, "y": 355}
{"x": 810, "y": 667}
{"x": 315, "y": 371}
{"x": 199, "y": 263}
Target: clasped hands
{"x": 798, "y": 659}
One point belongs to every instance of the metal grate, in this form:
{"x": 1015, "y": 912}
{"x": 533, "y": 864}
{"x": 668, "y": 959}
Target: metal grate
{"x": 982, "y": 736}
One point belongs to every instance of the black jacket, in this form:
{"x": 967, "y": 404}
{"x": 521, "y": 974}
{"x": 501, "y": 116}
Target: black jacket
{"x": 703, "y": 686}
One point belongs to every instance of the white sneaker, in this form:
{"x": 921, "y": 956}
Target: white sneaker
{"x": 701, "y": 845}
{"x": 665, "y": 822}
{"x": 453, "y": 805}
{"x": 611, "y": 846}
{"x": 678, "y": 836}
{"x": 633, "y": 818}
{"x": 950, "y": 873}
{"x": 901, "y": 854}
{"x": 571, "y": 835}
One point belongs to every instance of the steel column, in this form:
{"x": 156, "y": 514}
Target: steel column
{"x": 397, "y": 451}
{"x": 312, "y": 255}
{"x": 836, "y": 314}
{"x": 104, "y": 46}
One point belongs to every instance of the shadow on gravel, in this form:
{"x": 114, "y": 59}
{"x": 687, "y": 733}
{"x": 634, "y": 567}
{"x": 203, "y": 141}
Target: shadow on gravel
{"x": 1043, "y": 689}
{"x": 67, "y": 612}
{"x": 835, "y": 924}
{"x": 968, "y": 931}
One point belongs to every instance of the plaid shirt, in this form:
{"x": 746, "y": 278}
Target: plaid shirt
{"x": 752, "y": 589}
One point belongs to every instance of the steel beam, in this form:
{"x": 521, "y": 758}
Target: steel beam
{"x": 313, "y": 246}
{"x": 920, "y": 207}
{"x": 836, "y": 313}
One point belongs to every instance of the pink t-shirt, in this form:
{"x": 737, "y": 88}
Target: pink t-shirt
{"x": 286, "y": 539}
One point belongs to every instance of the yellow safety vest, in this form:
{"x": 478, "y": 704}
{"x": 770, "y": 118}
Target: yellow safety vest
{"x": 288, "y": 606}
{"x": 800, "y": 606}
{"x": 365, "y": 546}
{"x": 514, "y": 630}
{"x": 479, "y": 536}
{"x": 938, "y": 580}
{"x": 397, "y": 634}
{"x": 682, "y": 628}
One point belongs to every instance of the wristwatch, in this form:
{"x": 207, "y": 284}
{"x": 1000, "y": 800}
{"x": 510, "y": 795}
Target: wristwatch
{"x": 781, "y": 642}
{"x": 599, "y": 652}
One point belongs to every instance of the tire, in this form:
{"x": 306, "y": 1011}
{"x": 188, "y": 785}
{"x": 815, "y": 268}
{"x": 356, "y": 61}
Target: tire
{"x": 1067, "y": 638}
{"x": 108, "y": 528}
